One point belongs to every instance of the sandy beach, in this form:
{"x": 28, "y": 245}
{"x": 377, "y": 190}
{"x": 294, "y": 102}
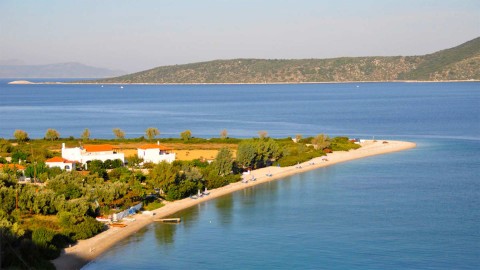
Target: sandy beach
{"x": 76, "y": 256}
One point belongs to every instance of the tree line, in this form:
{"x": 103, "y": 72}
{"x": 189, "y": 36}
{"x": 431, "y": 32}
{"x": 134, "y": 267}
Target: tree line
{"x": 150, "y": 133}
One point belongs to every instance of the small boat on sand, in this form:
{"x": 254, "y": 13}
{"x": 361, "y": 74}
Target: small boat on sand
{"x": 118, "y": 225}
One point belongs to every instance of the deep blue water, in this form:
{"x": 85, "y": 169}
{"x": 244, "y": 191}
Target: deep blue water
{"x": 416, "y": 209}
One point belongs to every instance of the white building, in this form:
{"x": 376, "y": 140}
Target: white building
{"x": 60, "y": 162}
{"x": 155, "y": 153}
{"x": 87, "y": 153}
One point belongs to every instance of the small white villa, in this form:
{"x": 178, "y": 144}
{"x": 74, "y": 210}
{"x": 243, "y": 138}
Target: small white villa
{"x": 87, "y": 153}
{"x": 60, "y": 162}
{"x": 155, "y": 153}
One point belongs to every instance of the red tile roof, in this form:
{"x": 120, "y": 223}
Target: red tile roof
{"x": 98, "y": 148}
{"x": 54, "y": 159}
{"x": 154, "y": 146}
{"x": 13, "y": 166}
{"x": 59, "y": 159}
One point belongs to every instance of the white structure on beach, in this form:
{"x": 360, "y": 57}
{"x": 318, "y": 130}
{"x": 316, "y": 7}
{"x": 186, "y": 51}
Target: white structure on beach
{"x": 60, "y": 162}
{"x": 87, "y": 153}
{"x": 155, "y": 153}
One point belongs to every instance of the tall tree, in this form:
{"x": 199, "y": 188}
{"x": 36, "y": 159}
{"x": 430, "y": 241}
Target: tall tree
{"x": 152, "y": 132}
{"x": 20, "y": 135}
{"x": 246, "y": 154}
{"x": 321, "y": 141}
{"x": 85, "y": 134}
{"x": 163, "y": 176}
{"x": 186, "y": 135}
{"x": 119, "y": 134}
{"x": 52, "y": 134}
{"x": 224, "y": 134}
{"x": 223, "y": 163}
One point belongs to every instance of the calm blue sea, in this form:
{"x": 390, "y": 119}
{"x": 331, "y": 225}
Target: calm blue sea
{"x": 416, "y": 209}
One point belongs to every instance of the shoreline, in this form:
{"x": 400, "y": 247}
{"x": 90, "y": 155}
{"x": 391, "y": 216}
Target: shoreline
{"x": 85, "y": 251}
{"x": 25, "y": 82}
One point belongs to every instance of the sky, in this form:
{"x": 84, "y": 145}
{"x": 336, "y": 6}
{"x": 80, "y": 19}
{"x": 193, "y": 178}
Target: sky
{"x": 134, "y": 35}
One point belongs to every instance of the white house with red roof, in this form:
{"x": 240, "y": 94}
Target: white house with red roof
{"x": 87, "y": 153}
{"x": 155, "y": 153}
{"x": 60, "y": 162}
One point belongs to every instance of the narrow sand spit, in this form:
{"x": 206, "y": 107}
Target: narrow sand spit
{"x": 84, "y": 251}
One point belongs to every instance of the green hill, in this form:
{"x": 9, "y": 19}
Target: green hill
{"x": 458, "y": 63}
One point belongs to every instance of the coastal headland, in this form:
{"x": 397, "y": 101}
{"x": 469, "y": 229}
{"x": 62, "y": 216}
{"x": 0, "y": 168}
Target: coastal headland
{"x": 78, "y": 255}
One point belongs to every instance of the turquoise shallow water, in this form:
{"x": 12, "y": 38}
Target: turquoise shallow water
{"x": 416, "y": 209}
{"x": 404, "y": 210}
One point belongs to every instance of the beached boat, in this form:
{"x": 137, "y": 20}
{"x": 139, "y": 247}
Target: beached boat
{"x": 103, "y": 219}
{"x": 206, "y": 192}
{"x": 118, "y": 225}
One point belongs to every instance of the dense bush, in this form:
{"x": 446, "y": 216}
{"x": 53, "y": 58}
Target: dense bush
{"x": 342, "y": 144}
{"x": 43, "y": 238}
{"x": 79, "y": 227}
{"x": 295, "y": 159}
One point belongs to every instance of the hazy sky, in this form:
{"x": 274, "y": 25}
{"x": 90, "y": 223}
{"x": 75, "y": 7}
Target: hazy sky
{"x": 134, "y": 35}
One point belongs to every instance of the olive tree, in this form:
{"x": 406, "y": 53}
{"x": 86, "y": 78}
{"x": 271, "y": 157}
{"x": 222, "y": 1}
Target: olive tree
{"x": 20, "y": 135}
{"x": 85, "y": 134}
{"x": 119, "y": 134}
{"x": 186, "y": 135}
{"x": 321, "y": 141}
{"x": 152, "y": 132}
{"x": 223, "y": 163}
{"x": 52, "y": 134}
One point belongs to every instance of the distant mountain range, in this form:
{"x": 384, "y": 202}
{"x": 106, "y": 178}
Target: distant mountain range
{"x": 458, "y": 63}
{"x": 16, "y": 69}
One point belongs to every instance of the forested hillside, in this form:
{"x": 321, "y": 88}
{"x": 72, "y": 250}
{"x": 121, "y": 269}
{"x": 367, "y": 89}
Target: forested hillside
{"x": 458, "y": 63}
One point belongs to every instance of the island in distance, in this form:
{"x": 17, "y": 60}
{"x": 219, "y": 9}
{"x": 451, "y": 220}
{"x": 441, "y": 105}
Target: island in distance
{"x": 458, "y": 63}
{"x": 16, "y": 69}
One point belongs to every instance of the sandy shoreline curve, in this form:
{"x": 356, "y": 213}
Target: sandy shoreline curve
{"x": 78, "y": 255}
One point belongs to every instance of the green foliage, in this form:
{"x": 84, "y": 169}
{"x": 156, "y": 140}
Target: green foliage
{"x": 37, "y": 169}
{"x": 152, "y": 205}
{"x": 162, "y": 176}
{"x": 186, "y": 135}
{"x": 342, "y": 144}
{"x": 5, "y": 146}
{"x": 119, "y": 134}
{"x": 20, "y": 135}
{"x": 43, "y": 238}
{"x": 246, "y": 154}
{"x": 375, "y": 68}
{"x": 79, "y": 227}
{"x": 67, "y": 184}
{"x": 7, "y": 199}
{"x": 223, "y": 163}
{"x": 19, "y": 155}
{"x": 44, "y": 202}
{"x": 97, "y": 167}
{"x": 321, "y": 141}
{"x": 294, "y": 153}
{"x": 85, "y": 135}
{"x": 152, "y": 132}
{"x": 134, "y": 161}
{"x": 52, "y": 134}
